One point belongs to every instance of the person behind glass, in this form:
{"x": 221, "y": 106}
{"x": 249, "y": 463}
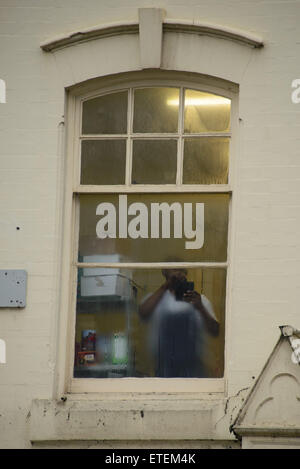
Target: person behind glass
{"x": 180, "y": 320}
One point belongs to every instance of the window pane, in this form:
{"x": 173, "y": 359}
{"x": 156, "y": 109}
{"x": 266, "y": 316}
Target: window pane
{"x": 106, "y": 114}
{"x": 155, "y": 110}
{"x": 154, "y": 162}
{"x": 206, "y": 160}
{"x": 205, "y": 112}
{"x": 103, "y": 161}
{"x": 153, "y": 227}
{"x": 119, "y": 334}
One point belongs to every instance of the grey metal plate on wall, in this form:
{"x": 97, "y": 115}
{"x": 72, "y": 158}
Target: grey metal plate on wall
{"x": 13, "y": 288}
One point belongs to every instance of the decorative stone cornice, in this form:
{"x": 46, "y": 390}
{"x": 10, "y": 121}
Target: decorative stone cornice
{"x": 89, "y": 34}
{"x": 132, "y": 27}
{"x": 213, "y": 30}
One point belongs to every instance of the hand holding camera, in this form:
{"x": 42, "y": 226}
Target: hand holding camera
{"x": 182, "y": 288}
{"x": 194, "y": 298}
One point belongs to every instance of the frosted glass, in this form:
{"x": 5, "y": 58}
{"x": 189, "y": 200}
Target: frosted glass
{"x": 156, "y": 110}
{"x": 106, "y": 114}
{"x": 206, "y": 160}
{"x": 113, "y": 341}
{"x": 206, "y": 112}
{"x": 103, "y": 162}
{"x": 154, "y": 162}
{"x": 135, "y": 236}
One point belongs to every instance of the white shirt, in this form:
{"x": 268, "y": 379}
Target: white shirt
{"x": 184, "y": 313}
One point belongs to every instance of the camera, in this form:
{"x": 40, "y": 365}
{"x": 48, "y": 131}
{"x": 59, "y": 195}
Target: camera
{"x": 182, "y": 288}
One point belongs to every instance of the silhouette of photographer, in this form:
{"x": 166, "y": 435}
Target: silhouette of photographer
{"x": 180, "y": 317}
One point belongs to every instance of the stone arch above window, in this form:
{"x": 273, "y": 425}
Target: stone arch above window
{"x": 150, "y": 18}
{"x": 154, "y": 42}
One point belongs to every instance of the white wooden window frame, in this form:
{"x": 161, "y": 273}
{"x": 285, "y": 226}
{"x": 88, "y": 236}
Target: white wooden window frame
{"x": 176, "y": 386}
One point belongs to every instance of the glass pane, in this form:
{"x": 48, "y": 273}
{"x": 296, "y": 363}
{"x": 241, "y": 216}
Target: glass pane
{"x": 154, "y": 162}
{"x": 155, "y": 110}
{"x": 206, "y": 160}
{"x": 122, "y": 330}
{"x": 106, "y": 114}
{"x": 153, "y": 227}
{"x": 103, "y": 161}
{"x": 206, "y": 112}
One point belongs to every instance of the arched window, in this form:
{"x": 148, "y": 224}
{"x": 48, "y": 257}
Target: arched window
{"x": 152, "y": 166}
